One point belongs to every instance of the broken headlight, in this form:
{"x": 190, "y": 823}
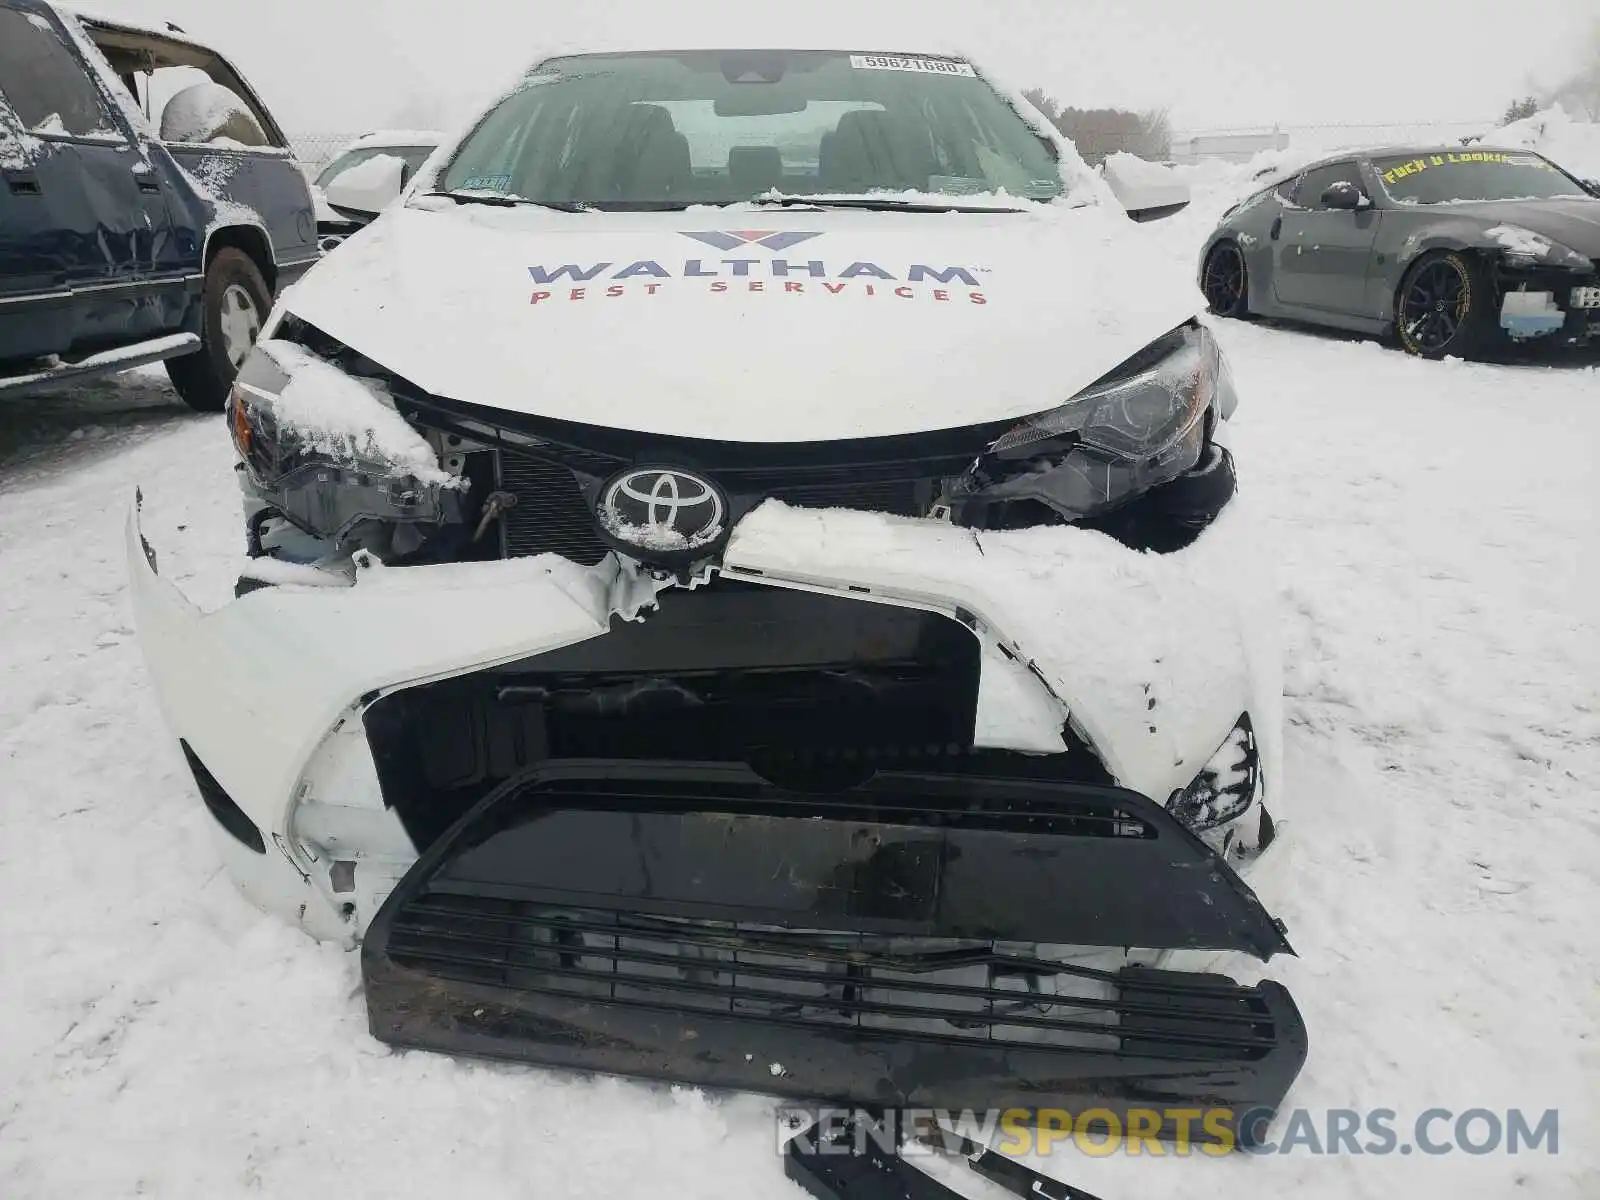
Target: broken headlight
{"x": 1142, "y": 425}
{"x": 332, "y": 454}
{"x": 1226, "y": 786}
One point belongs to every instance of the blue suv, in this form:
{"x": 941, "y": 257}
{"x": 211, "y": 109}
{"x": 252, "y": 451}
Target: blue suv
{"x": 126, "y": 241}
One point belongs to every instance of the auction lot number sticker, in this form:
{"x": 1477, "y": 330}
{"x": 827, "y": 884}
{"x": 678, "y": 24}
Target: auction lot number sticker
{"x": 924, "y": 66}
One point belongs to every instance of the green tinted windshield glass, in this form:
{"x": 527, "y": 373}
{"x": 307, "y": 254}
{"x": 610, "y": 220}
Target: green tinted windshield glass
{"x": 718, "y": 127}
{"x": 1469, "y": 175}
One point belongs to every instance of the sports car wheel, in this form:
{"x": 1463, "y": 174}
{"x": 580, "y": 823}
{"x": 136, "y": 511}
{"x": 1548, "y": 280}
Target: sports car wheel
{"x": 1444, "y": 307}
{"x": 1224, "y": 281}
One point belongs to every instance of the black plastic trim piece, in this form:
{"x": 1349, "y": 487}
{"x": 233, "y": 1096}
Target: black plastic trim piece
{"x": 883, "y": 945}
{"x": 221, "y": 806}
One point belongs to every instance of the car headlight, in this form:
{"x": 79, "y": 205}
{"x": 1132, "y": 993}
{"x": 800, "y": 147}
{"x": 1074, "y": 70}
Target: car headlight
{"x": 1226, "y": 786}
{"x": 1142, "y": 425}
{"x": 1141, "y": 411}
{"x": 358, "y": 463}
{"x": 1524, "y": 250}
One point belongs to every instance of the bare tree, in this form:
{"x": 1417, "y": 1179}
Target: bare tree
{"x": 1098, "y": 132}
{"x": 1045, "y": 104}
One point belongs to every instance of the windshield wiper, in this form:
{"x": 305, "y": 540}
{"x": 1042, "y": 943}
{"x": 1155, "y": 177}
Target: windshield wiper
{"x": 489, "y": 198}
{"x": 872, "y": 204}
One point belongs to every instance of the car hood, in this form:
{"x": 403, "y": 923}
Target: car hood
{"x": 1575, "y": 224}
{"x": 750, "y": 326}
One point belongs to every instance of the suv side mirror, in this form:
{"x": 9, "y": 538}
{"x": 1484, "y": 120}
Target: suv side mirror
{"x": 1345, "y": 196}
{"x": 368, "y": 187}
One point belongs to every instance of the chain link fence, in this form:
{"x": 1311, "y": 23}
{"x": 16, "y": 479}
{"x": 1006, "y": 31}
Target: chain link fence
{"x": 313, "y": 151}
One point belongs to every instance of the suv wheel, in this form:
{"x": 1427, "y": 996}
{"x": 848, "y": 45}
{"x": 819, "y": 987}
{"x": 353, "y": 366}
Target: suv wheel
{"x": 235, "y": 304}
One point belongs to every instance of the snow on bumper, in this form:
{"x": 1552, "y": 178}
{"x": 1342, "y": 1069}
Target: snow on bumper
{"x": 1152, "y": 657}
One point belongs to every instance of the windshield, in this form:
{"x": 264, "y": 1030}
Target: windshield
{"x": 412, "y": 156}
{"x": 666, "y": 130}
{"x": 1474, "y": 175}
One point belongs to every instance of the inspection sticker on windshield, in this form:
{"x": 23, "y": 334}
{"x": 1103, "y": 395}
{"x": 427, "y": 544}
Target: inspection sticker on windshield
{"x": 926, "y": 66}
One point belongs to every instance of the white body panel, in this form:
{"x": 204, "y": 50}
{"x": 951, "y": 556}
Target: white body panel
{"x": 1152, "y": 656}
{"x": 1011, "y": 314}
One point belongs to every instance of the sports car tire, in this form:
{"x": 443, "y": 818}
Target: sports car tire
{"x": 1445, "y": 307}
{"x": 1225, "y": 280}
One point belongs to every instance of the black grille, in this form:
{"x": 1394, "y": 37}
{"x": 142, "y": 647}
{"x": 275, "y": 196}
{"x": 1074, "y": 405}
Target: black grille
{"x": 933, "y": 989}
{"x": 550, "y": 516}
{"x": 902, "y": 497}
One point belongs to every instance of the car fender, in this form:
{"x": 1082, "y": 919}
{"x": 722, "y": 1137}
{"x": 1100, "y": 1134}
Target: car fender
{"x": 1402, "y": 243}
{"x": 297, "y": 662}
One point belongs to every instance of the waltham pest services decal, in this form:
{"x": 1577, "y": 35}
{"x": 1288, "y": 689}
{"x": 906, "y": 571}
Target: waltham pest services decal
{"x": 732, "y": 267}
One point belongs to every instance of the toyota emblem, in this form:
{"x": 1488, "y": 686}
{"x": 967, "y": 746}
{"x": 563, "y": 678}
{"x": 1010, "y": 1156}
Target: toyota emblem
{"x": 662, "y": 512}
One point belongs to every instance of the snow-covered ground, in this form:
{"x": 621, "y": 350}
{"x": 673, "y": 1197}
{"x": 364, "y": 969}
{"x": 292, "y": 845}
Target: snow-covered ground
{"x": 1434, "y": 526}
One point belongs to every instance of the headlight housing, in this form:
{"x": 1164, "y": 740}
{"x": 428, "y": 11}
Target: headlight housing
{"x": 1142, "y": 425}
{"x": 329, "y": 462}
{"x": 1226, "y": 787}
{"x": 1141, "y": 411}
{"x": 1524, "y": 250}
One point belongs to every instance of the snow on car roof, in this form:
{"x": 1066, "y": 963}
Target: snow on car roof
{"x": 395, "y": 137}
{"x": 169, "y": 31}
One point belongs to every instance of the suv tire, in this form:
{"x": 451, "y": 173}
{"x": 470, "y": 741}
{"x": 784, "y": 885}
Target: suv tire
{"x": 235, "y": 303}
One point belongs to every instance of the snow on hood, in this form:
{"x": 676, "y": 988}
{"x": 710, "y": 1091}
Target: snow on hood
{"x": 750, "y": 325}
{"x": 1534, "y": 224}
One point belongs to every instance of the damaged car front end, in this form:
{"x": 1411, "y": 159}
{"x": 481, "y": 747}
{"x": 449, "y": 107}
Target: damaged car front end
{"x": 911, "y": 744}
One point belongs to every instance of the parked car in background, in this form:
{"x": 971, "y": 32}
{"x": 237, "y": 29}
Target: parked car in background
{"x": 375, "y": 167}
{"x": 1453, "y": 251}
{"x": 124, "y": 242}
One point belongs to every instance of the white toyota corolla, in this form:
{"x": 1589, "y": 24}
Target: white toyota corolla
{"x": 748, "y": 536}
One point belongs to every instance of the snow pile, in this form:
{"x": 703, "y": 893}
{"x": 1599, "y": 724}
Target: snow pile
{"x": 208, "y": 112}
{"x": 346, "y": 419}
{"x": 1569, "y": 143}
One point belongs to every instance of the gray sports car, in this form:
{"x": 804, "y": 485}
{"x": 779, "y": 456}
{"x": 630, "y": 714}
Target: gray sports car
{"x": 1453, "y": 251}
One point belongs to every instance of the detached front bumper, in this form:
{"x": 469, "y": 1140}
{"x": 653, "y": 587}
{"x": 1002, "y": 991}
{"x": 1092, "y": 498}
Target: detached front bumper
{"x": 298, "y": 704}
{"x": 895, "y": 944}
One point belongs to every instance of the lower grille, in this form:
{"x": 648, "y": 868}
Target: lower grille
{"x": 550, "y": 516}
{"x": 896, "y": 942}
{"x": 873, "y": 985}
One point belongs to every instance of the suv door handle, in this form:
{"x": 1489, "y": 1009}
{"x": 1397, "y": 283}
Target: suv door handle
{"x": 1277, "y": 227}
{"x": 146, "y": 179}
{"x": 22, "y": 182}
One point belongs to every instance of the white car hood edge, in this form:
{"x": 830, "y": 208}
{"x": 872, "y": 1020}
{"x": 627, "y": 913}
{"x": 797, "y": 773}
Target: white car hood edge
{"x": 749, "y": 326}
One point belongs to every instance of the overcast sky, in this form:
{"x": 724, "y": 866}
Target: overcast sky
{"x": 346, "y": 65}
